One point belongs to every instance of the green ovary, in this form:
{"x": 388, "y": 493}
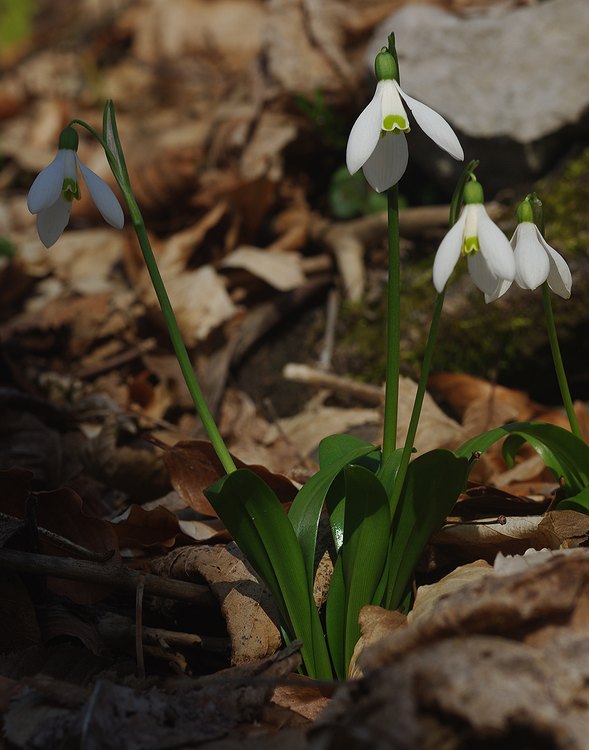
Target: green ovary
{"x": 392, "y": 122}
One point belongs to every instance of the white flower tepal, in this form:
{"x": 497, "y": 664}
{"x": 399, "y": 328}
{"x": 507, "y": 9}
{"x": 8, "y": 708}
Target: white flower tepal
{"x": 489, "y": 255}
{"x": 377, "y": 140}
{"x": 53, "y": 191}
{"x": 537, "y": 262}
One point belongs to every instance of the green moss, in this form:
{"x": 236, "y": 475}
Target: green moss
{"x": 565, "y": 196}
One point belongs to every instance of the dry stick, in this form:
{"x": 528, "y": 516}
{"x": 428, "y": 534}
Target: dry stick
{"x": 139, "y": 626}
{"x": 115, "y": 628}
{"x": 348, "y": 239}
{"x": 330, "y": 326}
{"x": 123, "y": 358}
{"x": 62, "y": 542}
{"x": 370, "y": 394}
{"x": 110, "y": 574}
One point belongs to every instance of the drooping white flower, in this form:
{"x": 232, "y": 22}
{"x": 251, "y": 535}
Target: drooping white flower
{"x": 377, "y": 140}
{"x": 54, "y": 189}
{"x": 490, "y": 258}
{"x": 537, "y": 262}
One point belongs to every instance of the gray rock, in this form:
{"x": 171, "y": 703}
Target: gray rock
{"x": 514, "y": 84}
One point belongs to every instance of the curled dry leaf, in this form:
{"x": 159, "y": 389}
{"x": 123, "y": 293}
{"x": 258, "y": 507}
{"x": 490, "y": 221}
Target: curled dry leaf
{"x": 375, "y": 624}
{"x": 246, "y": 605}
{"x": 428, "y": 597}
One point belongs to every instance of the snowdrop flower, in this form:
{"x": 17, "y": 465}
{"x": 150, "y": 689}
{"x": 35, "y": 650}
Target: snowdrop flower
{"x": 377, "y": 140}
{"x": 535, "y": 261}
{"x": 53, "y": 191}
{"x": 489, "y": 255}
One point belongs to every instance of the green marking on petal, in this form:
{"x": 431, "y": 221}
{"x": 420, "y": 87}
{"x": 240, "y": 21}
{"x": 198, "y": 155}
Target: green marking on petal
{"x": 470, "y": 245}
{"x": 70, "y": 189}
{"x": 392, "y": 122}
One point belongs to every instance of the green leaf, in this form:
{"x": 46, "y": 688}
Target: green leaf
{"x": 335, "y": 454}
{"x": 257, "y": 521}
{"x": 110, "y": 133}
{"x": 366, "y": 541}
{"x": 334, "y": 448}
{"x": 566, "y": 455}
{"x": 335, "y": 612}
{"x": 388, "y": 472}
{"x": 579, "y": 502}
{"x": 432, "y": 485}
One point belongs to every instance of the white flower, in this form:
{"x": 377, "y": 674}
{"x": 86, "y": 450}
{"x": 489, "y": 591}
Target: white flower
{"x": 490, "y": 257}
{"x": 54, "y": 189}
{"x": 377, "y": 140}
{"x": 537, "y": 262}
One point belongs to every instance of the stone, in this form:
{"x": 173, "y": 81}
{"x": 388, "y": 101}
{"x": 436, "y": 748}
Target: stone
{"x": 512, "y": 83}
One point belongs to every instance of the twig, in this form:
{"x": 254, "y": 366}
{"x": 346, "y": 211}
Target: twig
{"x": 111, "y": 363}
{"x": 330, "y": 326}
{"x": 347, "y": 240}
{"x": 64, "y": 543}
{"x": 117, "y": 628}
{"x": 139, "y": 626}
{"x": 110, "y": 574}
{"x": 370, "y": 394}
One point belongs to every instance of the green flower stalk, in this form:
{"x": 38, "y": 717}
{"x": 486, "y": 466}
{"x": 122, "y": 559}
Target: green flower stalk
{"x": 538, "y": 264}
{"x": 51, "y": 196}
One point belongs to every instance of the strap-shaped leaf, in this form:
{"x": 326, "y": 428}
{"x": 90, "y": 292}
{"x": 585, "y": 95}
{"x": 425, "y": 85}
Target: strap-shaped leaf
{"x": 566, "y": 455}
{"x": 337, "y": 452}
{"x": 432, "y": 485}
{"x": 335, "y": 619}
{"x": 366, "y": 541}
{"x": 579, "y": 502}
{"x": 257, "y": 521}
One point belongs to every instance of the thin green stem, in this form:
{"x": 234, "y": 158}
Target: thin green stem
{"x": 391, "y": 403}
{"x": 175, "y": 335}
{"x": 416, "y": 413}
{"x": 558, "y": 364}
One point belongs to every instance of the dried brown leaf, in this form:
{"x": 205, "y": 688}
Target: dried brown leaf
{"x": 282, "y": 271}
{"x": 193, "y": 465}
{"x": 247, "y": 606}
{"x": 140, "y": 529}
{"x": 484, "y": 403}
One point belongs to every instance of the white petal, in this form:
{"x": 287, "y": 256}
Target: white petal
{"x": 448, "y": 254}
{"x": 559, "y": 276}
{"x": 53, "y": 220}
{"x": 531, "y": 260}
{"x": 365, "y": 132}
{"x": 47, "y": 186}
{"x": 388, "y": 162}
{"x": 495, "y": 248}
{"x": 103, "y": 196}
{"x": 391, "y": 104}
{"x": 500, "y": 290}
{"x": 434, "y": 126}
{"x": 482, "y": 275}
